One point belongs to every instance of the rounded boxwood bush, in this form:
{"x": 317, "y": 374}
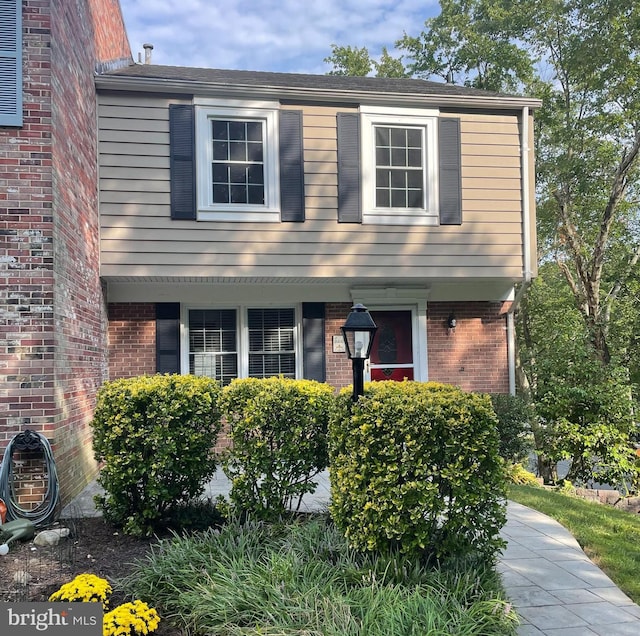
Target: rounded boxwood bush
{"x": 414, "y": 467}
{"x": 154, "y": 436}
{"x": 278, "y": 429}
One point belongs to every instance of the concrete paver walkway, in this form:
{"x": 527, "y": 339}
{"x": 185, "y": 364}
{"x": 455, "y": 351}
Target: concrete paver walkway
{"x": 553, "y": 585}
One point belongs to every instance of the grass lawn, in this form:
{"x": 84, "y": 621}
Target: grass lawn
{"x": 609, "y": 537}
{"x": 300, "y": 577}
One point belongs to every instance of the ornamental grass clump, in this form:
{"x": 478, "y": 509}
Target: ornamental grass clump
{"x": 85, "y": 588}
{"x": 131, "y": 619}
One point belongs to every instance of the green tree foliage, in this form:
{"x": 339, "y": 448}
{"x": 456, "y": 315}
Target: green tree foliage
{"x": 415, "y": 468}
{"x": 588, "y": 141}
{"x": 584, "y": 407}
{"x": 279, "y": 432}
{"x": 154, "y": 436}
{"x": 470, "y": 42}
{"x": 515, "y": 414}
{"x": 349, "y": 60}
{"x": 357, "y": 62}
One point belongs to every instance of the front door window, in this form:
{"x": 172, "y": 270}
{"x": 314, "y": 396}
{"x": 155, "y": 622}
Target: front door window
{"x": 392, "y": 350}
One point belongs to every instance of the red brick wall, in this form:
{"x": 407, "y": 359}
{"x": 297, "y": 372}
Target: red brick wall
{"x": 27, "y": 345}
{"x": 52, "y": 344}
{"x": 474, "y": 355}
{"x": 132, "y": 339}
{"x": 339, "y": 369}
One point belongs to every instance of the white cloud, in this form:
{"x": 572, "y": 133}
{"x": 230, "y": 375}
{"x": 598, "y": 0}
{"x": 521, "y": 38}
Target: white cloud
{"x": 267, "y": 35}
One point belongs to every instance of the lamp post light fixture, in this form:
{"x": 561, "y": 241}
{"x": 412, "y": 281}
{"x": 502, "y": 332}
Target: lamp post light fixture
{"x": 358, "y": 331}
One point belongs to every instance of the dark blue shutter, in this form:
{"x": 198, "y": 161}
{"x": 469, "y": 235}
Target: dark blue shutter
{"x": 11, "y": 63}
{"x": 182, "y": 161}
{"x": 349, "y": 206}
{"x": 168, "y": 337}
{"x": 450, "y": 179}
{"x": 291, "y": 166}
{"x": 313, "y": 352}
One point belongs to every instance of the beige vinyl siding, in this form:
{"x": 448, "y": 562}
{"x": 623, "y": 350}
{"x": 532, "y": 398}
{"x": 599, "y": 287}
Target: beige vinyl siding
{"x": 138, "y": 237}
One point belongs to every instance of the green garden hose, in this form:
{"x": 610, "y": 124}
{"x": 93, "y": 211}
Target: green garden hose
{"x": 44, "y": 513}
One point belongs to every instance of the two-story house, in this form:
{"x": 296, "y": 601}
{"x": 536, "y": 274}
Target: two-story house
{"x": 231, "y": 220}
{"x": 243, "y": 213}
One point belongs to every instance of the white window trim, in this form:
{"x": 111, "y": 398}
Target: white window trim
{"x": 267, "y": 112}
{"x": 242, "y": 345}
{"x": 427, "y": 119}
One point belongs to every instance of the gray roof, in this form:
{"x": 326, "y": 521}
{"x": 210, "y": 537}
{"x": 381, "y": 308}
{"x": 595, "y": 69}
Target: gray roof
{"x": 157, "y": 76}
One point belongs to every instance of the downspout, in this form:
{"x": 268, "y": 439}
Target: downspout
{"x": 526, "y": 249}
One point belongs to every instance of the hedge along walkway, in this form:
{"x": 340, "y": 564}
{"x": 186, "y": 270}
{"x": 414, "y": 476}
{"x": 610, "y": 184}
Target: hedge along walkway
{"x": 554, "y": 586}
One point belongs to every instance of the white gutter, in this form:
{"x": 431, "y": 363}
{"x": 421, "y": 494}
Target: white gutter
{"x": 526, "y": 249}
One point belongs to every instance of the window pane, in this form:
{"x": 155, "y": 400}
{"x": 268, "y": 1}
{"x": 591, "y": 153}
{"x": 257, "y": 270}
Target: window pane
{"x": 237, "y": 151}
{"x": 220, "y": 151}
{"x": 237, "y": 174}
{"x": 254, "y": 131}
{"x": 382, "y": 136}
{"x": 414, "y": 138}
{"x": 220, "y": 130}
{"x": 238, "y": 194}
{"x": 271, "y": 342}
{"x": 414, "y": 179}
{"x": 220, "y": 173}
{"x": 255, "y": 174}
{"x": 383, "y": 157}
{"x": 398, "y": 137}
{"x": 256, "y": 194}
{"x": 398, "y": 179}
{"x": 383, "y": 178}
{"x": 254, "y": 152}
{"x": 398, "y": 199}
{"x": 382, "y": 198}
{"x": 415, "y": 199}
{"x": 414, "y": 158}
{"x": 398, "y": 157}
{"x": 237, "y": 130}
{"x": 212, "y": 343}
{"x": 220, "y": 193}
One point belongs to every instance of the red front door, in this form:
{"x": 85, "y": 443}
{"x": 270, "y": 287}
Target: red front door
{"x": 392, "y": 350}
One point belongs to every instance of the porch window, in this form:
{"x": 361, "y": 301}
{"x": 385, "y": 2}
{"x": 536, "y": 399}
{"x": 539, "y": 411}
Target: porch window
{"x": 242, "y": 342}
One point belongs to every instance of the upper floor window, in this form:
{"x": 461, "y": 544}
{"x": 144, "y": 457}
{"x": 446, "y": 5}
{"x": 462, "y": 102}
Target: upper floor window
{"x": 399, "y": 166}
{"x": 237, "y": 161}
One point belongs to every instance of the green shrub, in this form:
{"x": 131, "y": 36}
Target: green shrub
{"x": 415, "y": 468}
{"x": 155, "y": 437}
{"x": 514, "y": 414}
{"x": 279, "y": 432}
{"x": 518, "y": 474}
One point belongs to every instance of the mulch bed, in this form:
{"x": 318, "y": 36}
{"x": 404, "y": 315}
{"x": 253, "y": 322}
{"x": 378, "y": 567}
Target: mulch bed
{"x": 30, "y": 573}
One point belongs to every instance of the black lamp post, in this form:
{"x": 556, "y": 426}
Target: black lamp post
{"x": 358, "y": 331}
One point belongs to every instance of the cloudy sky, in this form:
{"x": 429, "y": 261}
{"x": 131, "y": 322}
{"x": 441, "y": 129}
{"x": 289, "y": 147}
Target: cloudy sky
{"x": 267, "y": 35}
